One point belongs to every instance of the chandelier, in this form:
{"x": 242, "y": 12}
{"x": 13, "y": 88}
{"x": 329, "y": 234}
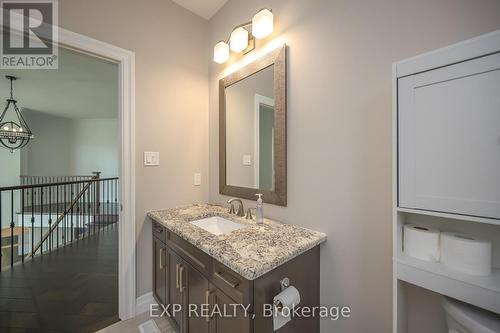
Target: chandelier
{"x": 14, "y": 131}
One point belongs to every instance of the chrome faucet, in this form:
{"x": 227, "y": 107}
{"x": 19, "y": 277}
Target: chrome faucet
{"x": 241, "y": 209}
{"x": 249, "y": 215}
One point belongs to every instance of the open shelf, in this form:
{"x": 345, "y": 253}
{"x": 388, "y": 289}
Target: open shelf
{"x": 481, "y": 291}
{"x": 468, "y": 218}
{"x": 436, "y": 185}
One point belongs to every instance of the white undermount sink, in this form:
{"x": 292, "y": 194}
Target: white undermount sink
{"x": 218, "y": 225}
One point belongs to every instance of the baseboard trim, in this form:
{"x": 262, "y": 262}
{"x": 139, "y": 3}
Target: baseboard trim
{"x": 143, "y": 302}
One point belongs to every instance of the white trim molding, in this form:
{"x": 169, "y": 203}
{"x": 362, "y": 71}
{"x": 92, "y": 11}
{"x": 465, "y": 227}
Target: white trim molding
{"x": 462, "y": 51}
{"x": 260, "y": 100}
{"x": 143, "y": 303}
{"x": 127, "y": 240}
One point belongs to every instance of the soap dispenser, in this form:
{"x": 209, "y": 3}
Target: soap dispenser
{"x": 260, "y": 210}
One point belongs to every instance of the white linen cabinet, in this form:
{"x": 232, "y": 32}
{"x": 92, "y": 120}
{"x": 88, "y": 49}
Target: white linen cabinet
{"x": 446, "y": 165}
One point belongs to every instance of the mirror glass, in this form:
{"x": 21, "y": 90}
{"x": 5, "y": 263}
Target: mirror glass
{"x": 252, "y": 130}
{"x": 250, "y": 117}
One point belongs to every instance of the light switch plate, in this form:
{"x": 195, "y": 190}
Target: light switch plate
{"x": 151, "y": 158}
{"x": 247, "y": 159}
{"x": 197, "y": 179}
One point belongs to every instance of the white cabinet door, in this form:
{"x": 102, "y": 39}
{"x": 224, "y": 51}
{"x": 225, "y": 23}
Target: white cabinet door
{"x": 449, "y": 139}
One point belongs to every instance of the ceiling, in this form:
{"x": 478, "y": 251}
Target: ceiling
{"x": 203, "y": 8}
{"x": 82, "y": 87}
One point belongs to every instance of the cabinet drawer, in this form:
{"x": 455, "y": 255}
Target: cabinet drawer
{"x": 196, "y": 257}
{"x": 231, "y": 283}
{"x": 159, "y": 231}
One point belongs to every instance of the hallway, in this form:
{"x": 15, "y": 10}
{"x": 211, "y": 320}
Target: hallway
{"x": 72, "y": 289}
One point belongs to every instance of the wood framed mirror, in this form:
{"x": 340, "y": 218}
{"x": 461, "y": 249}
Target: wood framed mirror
{"x": 252, "y": 130}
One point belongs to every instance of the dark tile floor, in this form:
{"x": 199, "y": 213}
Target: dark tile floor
{"x": 73, "y": 289}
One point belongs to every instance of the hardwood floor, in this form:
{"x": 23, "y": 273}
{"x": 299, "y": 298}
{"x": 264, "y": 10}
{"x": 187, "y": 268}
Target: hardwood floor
{"x": 72, "y": 289}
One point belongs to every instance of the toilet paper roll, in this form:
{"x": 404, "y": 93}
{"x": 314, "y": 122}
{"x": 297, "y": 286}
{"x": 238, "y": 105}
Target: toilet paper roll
{"x": 421, "y": 242}
{"x": 466, "y": 254}
{"x": 284, "y": 303}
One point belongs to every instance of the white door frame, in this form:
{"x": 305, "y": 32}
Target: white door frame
{"x": 127, "y": 238}
{"x": 259, "y": 100}
{"x": 126, "y": 227}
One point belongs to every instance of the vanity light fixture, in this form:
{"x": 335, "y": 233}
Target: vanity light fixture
{"x": 221, "y": 52}
{"x": 262, "y": 24}
{"x": 240, "y": 40}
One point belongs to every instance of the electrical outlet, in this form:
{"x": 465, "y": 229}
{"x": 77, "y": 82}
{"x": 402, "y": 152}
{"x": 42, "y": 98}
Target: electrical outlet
{"x": 247, "y": 159}
{"x": 197, "y": 179}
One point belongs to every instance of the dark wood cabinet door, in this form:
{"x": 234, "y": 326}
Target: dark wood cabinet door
{"x": 231, "y": 324}
{"x": 196, "y": 289}
{"x": 160, "y": 271}
{"x": 175, "y": 292}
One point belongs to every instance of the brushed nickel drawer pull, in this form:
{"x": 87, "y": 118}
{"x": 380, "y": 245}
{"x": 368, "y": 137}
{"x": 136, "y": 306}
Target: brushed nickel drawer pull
{"x": 161, "y": 258}
{"x": 229, "y": 283}
{"x": 207, "y": 301}
{"x": 181, "y": 273}
{"x": 159, "y": 230}
{"x": 177, "y": 275}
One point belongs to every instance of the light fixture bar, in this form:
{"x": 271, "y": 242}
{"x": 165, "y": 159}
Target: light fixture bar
{"x": 242, "y": 37}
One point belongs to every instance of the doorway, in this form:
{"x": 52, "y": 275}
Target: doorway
{"x": 126, "y": 170}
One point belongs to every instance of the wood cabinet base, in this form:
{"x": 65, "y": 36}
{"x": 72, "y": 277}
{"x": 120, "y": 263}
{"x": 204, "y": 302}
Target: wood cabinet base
{"x": 203, "y": 286}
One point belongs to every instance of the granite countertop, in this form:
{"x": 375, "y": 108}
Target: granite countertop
{"x": 252, "y": 251}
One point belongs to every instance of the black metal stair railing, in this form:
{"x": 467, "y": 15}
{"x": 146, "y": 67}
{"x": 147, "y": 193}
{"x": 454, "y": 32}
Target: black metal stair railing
{"x": 52, "y": 213}
{"x": 33, "y": 180}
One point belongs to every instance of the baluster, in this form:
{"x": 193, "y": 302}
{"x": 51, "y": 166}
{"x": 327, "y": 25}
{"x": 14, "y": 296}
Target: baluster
{"x": 95, "y": 206}
{"x": 112, "y": 185}
{"x": 99, "y": 208}
{"x": 89, "y": 191}
{"x": 117, "y": 207}
{"x": 105, "y": 217}
{"x": 32, "y": 222}
{"x": 57, "y": 216}
{"x": 50, "y": 218}
{"x": 41, "y": 219}
{"x": 1, "y": 254}
{"x": 84, "y": 207}
{"x": 65, "y": 214}
{"x": 82, "y": 210}
{"x": 11, "y": 228}
{"x": 103, "y": 208}
{"x": 72, "y": 195}
{"x": 80, "y": 207}
{"x": 112, "y": 207}
{"x": 77, "y": 203}
{"x": 22, "y": 226}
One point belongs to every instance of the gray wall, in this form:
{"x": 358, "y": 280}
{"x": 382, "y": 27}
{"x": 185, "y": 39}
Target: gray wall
{"x": 49, "y": 153}
{"x": 95, "y": 147}
{"x": 339, "y": 127}
{"x": 65, "y": 147}
{"x": 171, "y": 71}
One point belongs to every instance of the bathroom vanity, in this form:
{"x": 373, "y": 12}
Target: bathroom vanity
{"x": 242, "y": 264}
